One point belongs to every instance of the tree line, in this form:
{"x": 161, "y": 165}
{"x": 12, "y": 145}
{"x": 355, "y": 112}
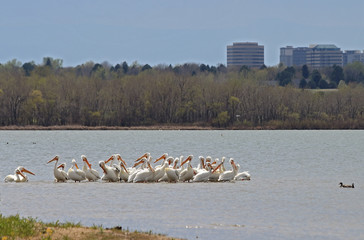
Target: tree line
{"x": 100, "y": 94}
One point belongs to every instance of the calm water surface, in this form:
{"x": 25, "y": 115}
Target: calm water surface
{"x": 293, "y": 194}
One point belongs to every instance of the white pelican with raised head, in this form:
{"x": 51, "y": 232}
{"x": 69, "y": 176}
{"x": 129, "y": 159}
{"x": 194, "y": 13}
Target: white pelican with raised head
{"x": 59, "y": 174}
{"x": 188, "y": 173}
{"x": 124, "y": 173}
{"x": 229, "y": 175}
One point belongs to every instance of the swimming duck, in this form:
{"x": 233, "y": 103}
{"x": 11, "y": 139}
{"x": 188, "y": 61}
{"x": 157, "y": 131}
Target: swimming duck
{"x": 346, "y": 186}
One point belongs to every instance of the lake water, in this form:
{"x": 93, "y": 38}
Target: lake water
{"x": 293, "y": 193}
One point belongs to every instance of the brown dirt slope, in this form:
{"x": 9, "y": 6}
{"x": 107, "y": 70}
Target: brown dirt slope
{"x": 84, "y": 233}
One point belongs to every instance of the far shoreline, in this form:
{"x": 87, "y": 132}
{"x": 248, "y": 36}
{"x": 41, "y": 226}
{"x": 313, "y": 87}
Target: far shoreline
{"x": 165, "y": 127}
{"x": 152, "y": 127}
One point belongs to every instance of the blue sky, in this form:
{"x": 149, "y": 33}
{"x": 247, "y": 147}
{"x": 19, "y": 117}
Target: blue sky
{"x": 171, "y": 32}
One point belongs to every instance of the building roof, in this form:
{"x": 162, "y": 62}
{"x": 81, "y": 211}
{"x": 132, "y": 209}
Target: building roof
{"x": 324, "y": 46}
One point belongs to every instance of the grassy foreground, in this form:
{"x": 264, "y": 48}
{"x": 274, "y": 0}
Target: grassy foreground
{"x": 15, "y": 227}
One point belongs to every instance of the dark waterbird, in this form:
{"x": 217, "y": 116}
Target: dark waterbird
{"x": 346, "y": 186}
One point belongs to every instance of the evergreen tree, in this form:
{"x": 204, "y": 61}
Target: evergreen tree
{"x": 305, "y": 72}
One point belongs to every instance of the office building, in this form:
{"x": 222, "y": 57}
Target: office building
{"x": 315, "y": 56}
{"x": 351, "y": 56}
{"x": 324, "y": 55}
{"x": 291, "y": 56}
{"x": 249, "y": 54}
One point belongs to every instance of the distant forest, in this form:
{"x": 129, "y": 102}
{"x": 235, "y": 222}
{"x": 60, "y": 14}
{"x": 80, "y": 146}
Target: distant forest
{"x": 100, "y": 94}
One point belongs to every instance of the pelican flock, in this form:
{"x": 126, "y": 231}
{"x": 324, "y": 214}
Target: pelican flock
{"x": 115, "y": 169}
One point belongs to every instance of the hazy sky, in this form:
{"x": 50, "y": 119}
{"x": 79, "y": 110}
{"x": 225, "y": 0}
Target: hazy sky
{"x": 171, "y": 31}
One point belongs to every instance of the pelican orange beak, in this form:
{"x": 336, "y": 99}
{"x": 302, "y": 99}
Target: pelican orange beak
{"x": 218, "y": 166}
{"x": 120, "y": 159}
{"x": 89, "y": 165}
{"x": 27, "y": 171}
{"x": 160, "y": 158}
{"x": 19, "y": 172}
{"x": 124, "y": 168}
{"x": 150, "y": 167}
{"x": 175, "y": 165}
{"x": 136, "y": 164}
{"x": 103, "y": 168}
{"x": 76, "y": 165}
{"x": 234, "y": 165}
{"x": 189, "y": 158}
{"x": 61, "y": 166}
{"x": 144, "y": 156}
{"x": 54, "y": 159}
{"x": 110, "y": 158}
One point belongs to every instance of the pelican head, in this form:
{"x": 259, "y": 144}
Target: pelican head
{"x": 84, "y": 158}
{"x": 74, "y": 163}
{"x": 110, "y": 158}
{"x": 189, "y": 158}
{"x": 118, "y": 157}
{"x": 56, "y": 158}
{"x": 145, "y": 155}
{"x": 170, "y": 160}
{"x": 63, "y": 166}
{"x": 102, "y": 165}
{"x": 22, "y": 169}
{"x": 164, "y": 156}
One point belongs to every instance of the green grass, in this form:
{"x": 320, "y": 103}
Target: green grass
{"x": 62, "y": 225}
{"x": 14, "y": 226}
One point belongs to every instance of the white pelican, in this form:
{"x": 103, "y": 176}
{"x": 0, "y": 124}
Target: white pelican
{"x": 59, "y": 174}
{"x": 24, "y": 177}
{"x": 201, "y": 166}
{"x": 124, "y": 173}
{"x": 173, "y": 173}
{"x": 160, "y": 171}
{"x": 91, "y": 174}
{"x": 145, "y": 175}
{"x": 111, "y": 174}
{"x": 15, "y": 177}
{"x": 188, "y": 173}
{"x": 77, "y": 174}
{"x": 242, "y": 176}
{"x": 164, "y": 178}
{"x": 245, "y": 175}
{"x": 203, "y": 176}
{"x": 229, "y": 175}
